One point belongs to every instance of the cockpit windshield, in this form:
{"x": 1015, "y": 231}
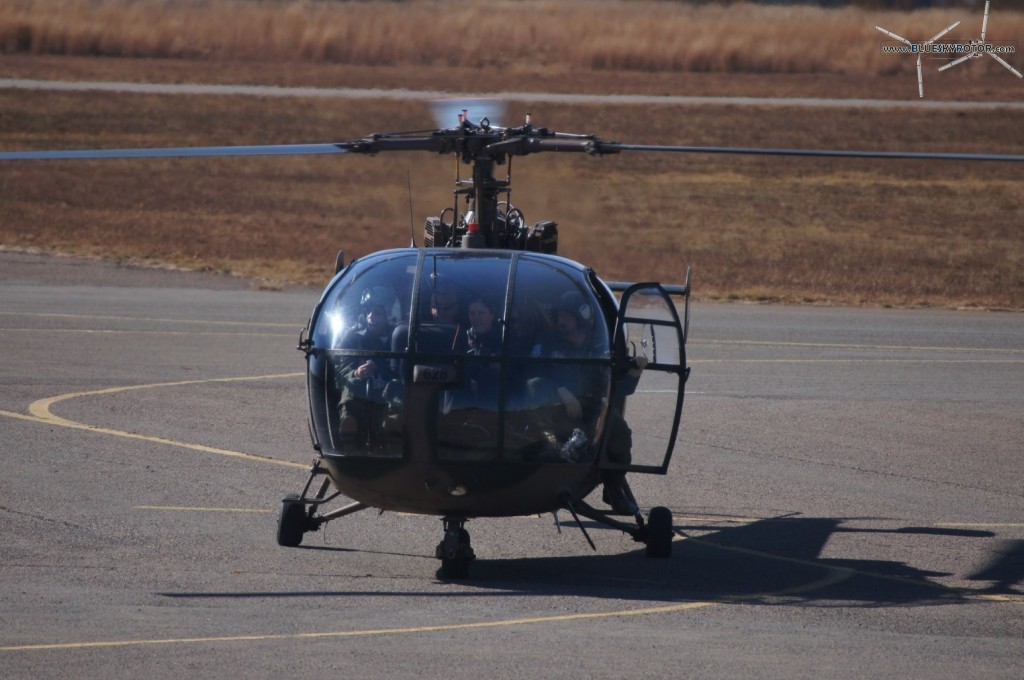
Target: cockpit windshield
{"x": 472, "y": 355}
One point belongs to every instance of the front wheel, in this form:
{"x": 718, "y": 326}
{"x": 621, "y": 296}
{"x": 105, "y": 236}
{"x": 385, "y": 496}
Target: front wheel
{"x": 291, "y": 521}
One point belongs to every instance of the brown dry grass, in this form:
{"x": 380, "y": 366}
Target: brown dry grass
{"x": 903, "y": 233}
{"x": 642, "y": 36}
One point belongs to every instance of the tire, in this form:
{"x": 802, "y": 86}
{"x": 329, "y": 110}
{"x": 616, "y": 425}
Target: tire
{"x": 455, "y": 564}
{"x": 456, "y": 568}
{"x": 659, "y": 533}
{"x": 291, "y": 521}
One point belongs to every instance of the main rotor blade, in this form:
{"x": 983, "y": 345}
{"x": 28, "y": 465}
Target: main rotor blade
{"x": 180, "y": 152}
{"x": 943, "y": 32}
{"x": 920, "y": 78}
{"x": 613, "y": 147}
{"x": 1004, "y": 63}
{"x": 893, "y": 35}
{"x": 961, "y": 60}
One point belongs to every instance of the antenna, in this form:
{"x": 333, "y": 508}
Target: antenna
{"x": 978, "y": 47}
{"x": 919, "y": 50}
{"x": 412, "y": 226}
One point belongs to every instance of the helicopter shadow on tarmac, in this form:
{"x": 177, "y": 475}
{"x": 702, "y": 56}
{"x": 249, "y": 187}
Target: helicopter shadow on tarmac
{"x": 772, "y": 561}
{"x": 1005, "y": 569}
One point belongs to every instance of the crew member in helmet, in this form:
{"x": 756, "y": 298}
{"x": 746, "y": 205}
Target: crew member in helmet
{"x": 580, "y": 388}
{"x": 572, "y": 338}
{"x": 361, "y": 380}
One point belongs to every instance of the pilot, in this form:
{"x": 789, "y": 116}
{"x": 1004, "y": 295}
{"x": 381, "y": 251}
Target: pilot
{"x": 578, "y": 388}
{"x": 361, "y": 380}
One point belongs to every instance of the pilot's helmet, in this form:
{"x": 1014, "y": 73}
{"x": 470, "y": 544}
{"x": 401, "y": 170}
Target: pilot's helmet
{"x": 574, "y": 303}
{"x": 380, "y": 297}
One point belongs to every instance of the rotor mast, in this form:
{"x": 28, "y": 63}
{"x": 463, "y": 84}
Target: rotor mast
{"x": 484, "y": 147}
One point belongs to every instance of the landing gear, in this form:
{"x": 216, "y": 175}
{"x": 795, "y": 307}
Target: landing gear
{"x": 656, "y": 533}
{"x": 297, "y": 515}
{"x": 454, "y": 550}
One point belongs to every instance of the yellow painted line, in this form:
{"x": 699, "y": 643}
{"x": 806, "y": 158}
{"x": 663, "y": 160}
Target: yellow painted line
{"x": 668, "y": 609}
{"x": 41, "y": 407}
{"x": 40, "y": 413}
{"x": 171, "y": 442}
{"x": 1011, "y": 525}
{"x": 838, "y": 575}
{"x": 22, "y": 416}
{"x": 1018, "y": 599}
{"x": 184, "y": 508}
{"x": 727, "y": 519}
{"x": 835, "y": 576}
{"x": 847, "y": 572}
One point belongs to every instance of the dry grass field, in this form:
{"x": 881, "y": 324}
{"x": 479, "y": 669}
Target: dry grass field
{"x": 797, "y": 230}
{"x": 638, "y": 35}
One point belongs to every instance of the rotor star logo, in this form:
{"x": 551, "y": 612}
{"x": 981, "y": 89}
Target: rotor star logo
{"x": 979, "y": 48}
{"x": 919, "y": 49}
{"x": 964, "y": 51}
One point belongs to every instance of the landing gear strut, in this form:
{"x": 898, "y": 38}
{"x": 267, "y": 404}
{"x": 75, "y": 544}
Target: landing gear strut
{"x": 454, "y": 550}
{"x": 656, "y": 533}
{"x": 297, "y": 515}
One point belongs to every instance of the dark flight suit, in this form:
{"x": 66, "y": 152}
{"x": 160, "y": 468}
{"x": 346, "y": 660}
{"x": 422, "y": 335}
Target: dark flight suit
{"x": 363, "y": 398}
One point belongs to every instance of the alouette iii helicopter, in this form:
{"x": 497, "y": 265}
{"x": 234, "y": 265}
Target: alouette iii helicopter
{"x": 481, "y": 374}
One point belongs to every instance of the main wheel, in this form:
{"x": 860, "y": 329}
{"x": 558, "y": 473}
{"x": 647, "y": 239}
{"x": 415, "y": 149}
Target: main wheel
{"x": 291, "y": 521}
{"x": 456, "y": 554}
{"x": 456, "y": 568}
{"x": 659, "y": 532}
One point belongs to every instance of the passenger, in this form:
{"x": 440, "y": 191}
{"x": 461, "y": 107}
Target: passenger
{"x": 619, "y": 449}
{"x": 522, "y": 330}
{"x": 520, "y": 338}
{"x": 446, "y": 335}
{"x": 580, "y": 388}
{"x": 361, "y": 380}
{"x": 483, "y": 338}
{"x": 574, "y": 324}
{"x": 444, "y": 306}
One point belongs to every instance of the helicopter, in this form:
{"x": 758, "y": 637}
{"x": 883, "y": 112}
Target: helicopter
{"x": 465, "y": 336}
{"x": 481, "y": 374}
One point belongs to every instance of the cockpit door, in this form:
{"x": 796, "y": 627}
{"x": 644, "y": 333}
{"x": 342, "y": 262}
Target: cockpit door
{"x": 648, "y": 325}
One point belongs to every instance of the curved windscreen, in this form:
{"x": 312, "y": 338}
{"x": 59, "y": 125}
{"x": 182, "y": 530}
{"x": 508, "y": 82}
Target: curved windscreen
{"x": 460, "y": 356}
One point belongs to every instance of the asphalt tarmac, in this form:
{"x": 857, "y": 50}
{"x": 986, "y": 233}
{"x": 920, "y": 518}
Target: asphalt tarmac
{"x": 846, "y": 491}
